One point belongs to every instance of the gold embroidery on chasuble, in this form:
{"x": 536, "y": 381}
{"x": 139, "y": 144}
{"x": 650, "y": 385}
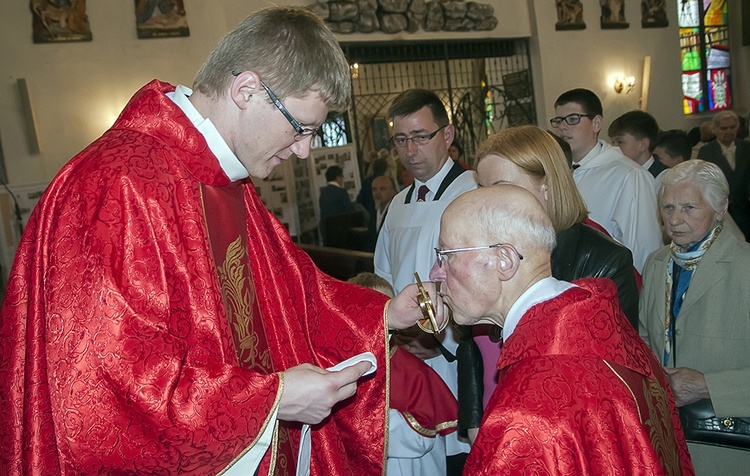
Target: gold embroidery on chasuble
{"x": 238, "y": 291}
{"x": 661, "y": 433}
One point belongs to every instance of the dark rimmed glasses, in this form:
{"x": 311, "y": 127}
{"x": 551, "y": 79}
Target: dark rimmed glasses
{"x": 570, "y": 119}
{"x": 441, "y": 253}
{"x": 418, "y": 139}
{"x": 300, "y": 132}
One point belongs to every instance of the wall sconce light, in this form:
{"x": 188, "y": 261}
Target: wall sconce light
{"x": 354, "y": 70}
{"x": 624, "y": 83}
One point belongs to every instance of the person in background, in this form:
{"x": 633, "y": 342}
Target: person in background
{"x": 672, "y": 147}
{"x": 635, "y": 133}
{"x": 422, "y": 407}
{"x": 695, "y": 307}
{"x": 364, "y": 197}
{"x": 383, "y": 191}
{"x": 531, "y": 158}
{"x": 733, "y": 158}
{"x": 457, "y": 154}
{"x": 422, "y": 134}
{"x": 159, "y": 320}
{"x": 579, "y": 391}
{"x": 705, "y": 135}
{"x": 334, "y": 199}
{"x": 619, "y": 194}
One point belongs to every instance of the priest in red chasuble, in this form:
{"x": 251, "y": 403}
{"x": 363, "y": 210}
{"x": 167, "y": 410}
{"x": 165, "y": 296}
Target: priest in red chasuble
{"x": 158, "y": 320}
{"x": 579, "y": 392}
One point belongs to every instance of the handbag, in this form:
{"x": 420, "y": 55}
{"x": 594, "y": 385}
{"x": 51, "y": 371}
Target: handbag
{"x": 701, "y": 425}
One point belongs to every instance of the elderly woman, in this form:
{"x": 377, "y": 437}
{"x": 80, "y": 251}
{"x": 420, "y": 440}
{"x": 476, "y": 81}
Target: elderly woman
{"x": 695, "y": 305}
{"x": 531, "y": 158}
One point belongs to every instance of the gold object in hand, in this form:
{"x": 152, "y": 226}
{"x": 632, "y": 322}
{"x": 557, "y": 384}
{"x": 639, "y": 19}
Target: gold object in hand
{"x": 429, "y": 323}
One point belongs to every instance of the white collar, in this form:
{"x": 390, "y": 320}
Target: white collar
{"x": 649, "y": 162}
{"x": 593, "y": 153}
{"x": 724, "y": 149}
{"x": 228, "y": 162}
{"x": 543, "y": 290}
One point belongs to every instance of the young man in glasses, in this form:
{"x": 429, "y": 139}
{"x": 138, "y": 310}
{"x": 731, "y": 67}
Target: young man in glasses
{"x": 158, "y": 320}
{"x": 579, "y": 392}
{"x": 421, "y": 135}
{"x": 619, "y": 193}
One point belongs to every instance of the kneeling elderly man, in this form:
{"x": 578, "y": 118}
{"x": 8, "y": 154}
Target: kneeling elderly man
{"x": 579, "y": 392}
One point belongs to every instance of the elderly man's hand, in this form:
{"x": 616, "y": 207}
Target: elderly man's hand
{"x": 688, "y": 385}
{"x": 404, "y": 310}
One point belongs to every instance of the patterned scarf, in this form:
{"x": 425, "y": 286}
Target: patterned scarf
{"x": 686, "y": 262}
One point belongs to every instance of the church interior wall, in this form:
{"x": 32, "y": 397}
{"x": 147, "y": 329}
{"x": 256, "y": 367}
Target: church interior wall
{"x": 77, "y": 89}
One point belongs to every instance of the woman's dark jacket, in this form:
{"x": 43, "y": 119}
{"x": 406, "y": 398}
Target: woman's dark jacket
{"x": 581, "y": 252}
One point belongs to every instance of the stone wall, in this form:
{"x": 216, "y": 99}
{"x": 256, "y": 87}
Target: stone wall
{"x": 394, "y": 16}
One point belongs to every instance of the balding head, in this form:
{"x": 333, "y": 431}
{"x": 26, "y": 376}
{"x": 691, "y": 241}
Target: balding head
{"x": 514, "y": 239}
{"x": 502, "y": 213}
{"x": 383, "y": 190}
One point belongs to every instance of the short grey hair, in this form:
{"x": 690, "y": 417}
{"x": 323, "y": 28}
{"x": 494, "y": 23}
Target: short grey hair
{"x": 720, "y": 116}
{"x": 708, "y": 177}
{"x": 515, "y": 226}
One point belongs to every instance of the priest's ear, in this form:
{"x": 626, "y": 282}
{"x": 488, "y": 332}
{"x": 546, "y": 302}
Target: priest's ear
{"x": 244, "y": 85}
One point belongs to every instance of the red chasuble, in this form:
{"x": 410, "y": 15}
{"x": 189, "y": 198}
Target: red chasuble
{"x": 421, "y": 395}
{"x": 579, "y": 393}
{"x": 137, "y": 337}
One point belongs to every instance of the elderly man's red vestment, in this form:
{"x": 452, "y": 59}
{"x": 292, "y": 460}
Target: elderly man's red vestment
{"x": 151, "y": 308}
{"x": 579, "y": 393}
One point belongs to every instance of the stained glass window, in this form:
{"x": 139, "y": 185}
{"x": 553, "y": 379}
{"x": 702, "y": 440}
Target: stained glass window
{"x": 704, "y": 51}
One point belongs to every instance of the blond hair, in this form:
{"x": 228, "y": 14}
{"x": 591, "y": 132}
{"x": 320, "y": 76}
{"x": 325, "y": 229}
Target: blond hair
{"x": 373, "y": 281}
{"x": 291, "y": 50}
{"x": 537, "y": 153}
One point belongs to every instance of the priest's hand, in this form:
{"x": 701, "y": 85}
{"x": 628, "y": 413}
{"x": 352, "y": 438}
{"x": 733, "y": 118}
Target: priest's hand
{"x": 404, "y": 310}
{"x": 688, "y": 385}
{"x": 310, "y": 392}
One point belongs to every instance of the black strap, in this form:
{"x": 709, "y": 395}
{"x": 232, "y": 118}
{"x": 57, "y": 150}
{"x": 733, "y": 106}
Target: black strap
{"x": 452, "y": 175}
{"x": 449, "y": 356}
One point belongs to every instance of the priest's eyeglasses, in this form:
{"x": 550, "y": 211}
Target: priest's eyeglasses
{"x": 418, "y": 139}
{"x": 300, "y": 132}
{"x": 441, "y": 253}
{"x": 570, "y": 119}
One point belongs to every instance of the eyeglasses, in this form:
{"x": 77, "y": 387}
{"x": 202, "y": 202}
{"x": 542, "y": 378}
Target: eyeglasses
{"x": 441, "y": 253}
{"x": 418, "y": 139}
{"x": 570, "y": 119}
{"x": 300, "y": 132}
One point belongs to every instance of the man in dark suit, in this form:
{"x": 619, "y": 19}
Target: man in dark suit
{"x": 334, "y": 199}
{"x": 365, "y": 198}
{"x": 733, "y": 158}
{"x": 383, "y": 191}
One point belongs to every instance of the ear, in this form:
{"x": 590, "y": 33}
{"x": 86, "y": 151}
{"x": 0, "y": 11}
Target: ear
{"x": 243, "y": 87}
{"x": 450, "y": 134}
{"x": 508, "y": 263}
{"x": 597, "y": 121}
{"x": 644, "y": 144}
{"x": 720, "y": 215}
{"x": 545, "y": 188}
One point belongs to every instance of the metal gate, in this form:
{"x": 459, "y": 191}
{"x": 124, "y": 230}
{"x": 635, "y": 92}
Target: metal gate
{"x": 486, "y": 85}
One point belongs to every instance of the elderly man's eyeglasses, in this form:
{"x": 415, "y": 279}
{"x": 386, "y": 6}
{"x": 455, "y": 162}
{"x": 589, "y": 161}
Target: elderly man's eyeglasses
{"x": 418, "y": 139}
{"x": 570, "y": 119}
{"x": 300, "y": 132}
{"x": 441, "y": 253}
